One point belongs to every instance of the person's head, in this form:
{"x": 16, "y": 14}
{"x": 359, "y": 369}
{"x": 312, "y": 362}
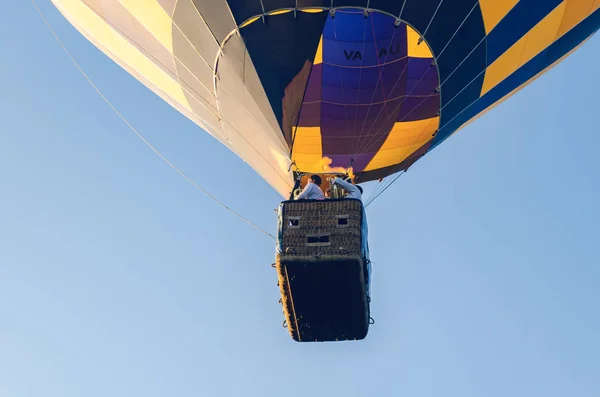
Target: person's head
{"x": 316, "y": 179}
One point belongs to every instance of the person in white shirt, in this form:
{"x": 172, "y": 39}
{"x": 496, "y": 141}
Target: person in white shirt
{"x": 312, "y": 191}
{"x": 354, "y": 192}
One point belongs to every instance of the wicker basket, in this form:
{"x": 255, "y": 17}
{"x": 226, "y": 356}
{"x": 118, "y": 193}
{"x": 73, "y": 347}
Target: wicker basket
{"x": 322, "y": 272}
{"x": 325, "y": 227}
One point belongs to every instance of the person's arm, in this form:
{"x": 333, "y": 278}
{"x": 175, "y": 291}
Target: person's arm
{"x": 345, "y": 185}
{"x": 304, "y": 192}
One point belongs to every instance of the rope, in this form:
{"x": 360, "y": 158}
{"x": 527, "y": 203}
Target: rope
{"x": 341, "y": 77}
{"x": 370, "y": 201}
{"x": 362, "y": 138}
{"x": 159, "y": 154}
{"x": 376, "y": 190}
{"x": 374, "y": 138}
{"x": 362, "y": 63}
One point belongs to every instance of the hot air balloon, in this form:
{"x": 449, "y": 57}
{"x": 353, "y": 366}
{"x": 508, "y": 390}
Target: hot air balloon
{"x": 363, "y": 88}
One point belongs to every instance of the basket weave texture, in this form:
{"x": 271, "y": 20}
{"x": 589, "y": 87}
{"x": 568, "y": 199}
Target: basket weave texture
{"x": 316, "y": 228}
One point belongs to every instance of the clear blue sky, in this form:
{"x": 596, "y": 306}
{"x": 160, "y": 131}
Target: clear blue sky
{"x": 118, "y": 278}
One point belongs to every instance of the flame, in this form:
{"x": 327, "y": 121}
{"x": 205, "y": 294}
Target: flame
{"x": 351, "y": 174}
{"x": 326, "y": 167}
{"x": 323, "y": 165}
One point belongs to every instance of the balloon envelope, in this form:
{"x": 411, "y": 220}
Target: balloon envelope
{"x": 320, "y": 85}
